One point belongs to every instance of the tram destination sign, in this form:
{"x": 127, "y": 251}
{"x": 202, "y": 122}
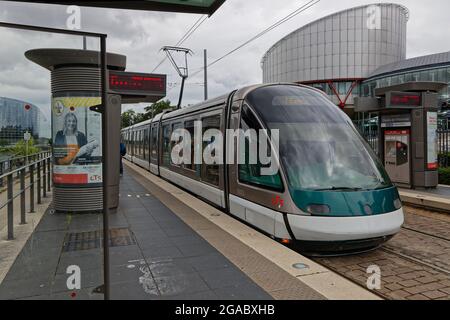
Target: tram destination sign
{"x": 186, "y": 6}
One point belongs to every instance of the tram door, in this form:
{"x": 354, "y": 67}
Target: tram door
{"x": 397, "y": 151}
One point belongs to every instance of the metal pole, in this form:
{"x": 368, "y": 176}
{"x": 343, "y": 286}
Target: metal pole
{"x": 49, "y": 176}
{"x": 22, "y": 197}
{"x": 206, "y": 73}
{"x": 105, "y": 142}
{"x": 1, "y": 173}
{"x": 10, "y": 208}
{"x": 84, "y": 43}
{"x": 183, "y": 79}
{"x": 44, "y": 178}
{"x": 32, "y": 188}
{"x": 39, "y": 199}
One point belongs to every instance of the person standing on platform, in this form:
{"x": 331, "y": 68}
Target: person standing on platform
{"x": 123, "y": 152}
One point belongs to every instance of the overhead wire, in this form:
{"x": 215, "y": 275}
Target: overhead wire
{"x": 186, "y": 36}
{"x": 293, "y": 14}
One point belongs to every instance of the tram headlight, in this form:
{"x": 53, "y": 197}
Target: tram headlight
{"x": 318, "y": 209}
{"x": 398, "y": 204}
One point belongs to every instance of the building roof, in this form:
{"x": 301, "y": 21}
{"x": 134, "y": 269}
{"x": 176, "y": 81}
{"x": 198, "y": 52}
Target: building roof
{"x": 413, "y": 63}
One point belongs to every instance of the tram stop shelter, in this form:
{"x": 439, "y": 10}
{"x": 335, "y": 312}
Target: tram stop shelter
{"x": 407, "y": 139}
{"x": 110, "y": 96}
{"x": 185, "y": 6}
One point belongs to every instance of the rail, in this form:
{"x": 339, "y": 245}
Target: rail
{"x": 39, "y": 173}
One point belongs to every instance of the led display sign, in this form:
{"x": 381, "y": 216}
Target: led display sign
{"x": 403, "y": 99}
{"x": 137, "y": 83}
{"x": 132, "y": 84}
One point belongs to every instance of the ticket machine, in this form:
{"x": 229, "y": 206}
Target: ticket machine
{"x": 408, "y": 131}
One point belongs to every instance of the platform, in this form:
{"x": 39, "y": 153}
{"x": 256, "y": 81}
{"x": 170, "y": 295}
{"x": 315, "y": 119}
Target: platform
{"x": 154, "y": 255}
{"x": 166, "y": 244}
{"x": 434, "y": 199}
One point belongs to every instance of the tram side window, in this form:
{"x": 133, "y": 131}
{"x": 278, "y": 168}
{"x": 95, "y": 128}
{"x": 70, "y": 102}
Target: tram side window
{"x": 176, "y": 126}
{"x": 140, "y": 144}
{"x": 133, "y": 142}
{"x": 166, "y": 145}
{"x": 146, "y": 144}
{"x": 251, "y": 173}
{"x": 136, "y": 143}
{"x": 139, "y": 150}
{"x": 210, "y": 173}
{"x": 154, "y": 142}
{"x": 189, "y": 126}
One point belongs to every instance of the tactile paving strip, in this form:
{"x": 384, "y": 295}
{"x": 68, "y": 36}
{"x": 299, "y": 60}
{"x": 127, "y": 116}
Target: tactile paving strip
{"x": 118, "y": 237}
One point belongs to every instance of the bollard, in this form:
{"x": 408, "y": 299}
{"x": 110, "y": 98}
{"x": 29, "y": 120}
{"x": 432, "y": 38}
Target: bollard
{"x": 32, "y": 188}
{"x": 39, "y": 187}
{"x": 10, "y": 208}
{"x": 22, "y": 197}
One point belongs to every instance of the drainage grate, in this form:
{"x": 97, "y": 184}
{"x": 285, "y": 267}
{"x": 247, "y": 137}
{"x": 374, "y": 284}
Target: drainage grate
{"x": 118, "y": 237}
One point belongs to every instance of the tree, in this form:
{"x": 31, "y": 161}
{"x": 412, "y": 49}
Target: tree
{"x": 128, "y": 118}
{"x": 157, "y": 108}
{"x": 20, "y": 149}
{"x": 3, "y": 143}
{"x": 131, "y": 117}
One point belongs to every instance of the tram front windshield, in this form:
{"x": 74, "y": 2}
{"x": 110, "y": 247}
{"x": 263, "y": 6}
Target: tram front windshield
{"x": 320, "y": 148}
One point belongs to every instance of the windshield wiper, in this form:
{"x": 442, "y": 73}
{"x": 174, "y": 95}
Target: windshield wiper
{"x": 339, "y": 189}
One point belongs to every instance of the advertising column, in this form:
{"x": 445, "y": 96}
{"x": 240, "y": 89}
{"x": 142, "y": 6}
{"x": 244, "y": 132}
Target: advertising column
{"x": 77, "y": 138}
{"x": 432, "y": 141}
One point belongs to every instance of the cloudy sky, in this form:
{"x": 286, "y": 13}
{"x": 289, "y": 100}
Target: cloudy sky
{"x": 140, "y": 35}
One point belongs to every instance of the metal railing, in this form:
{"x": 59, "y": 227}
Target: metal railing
{"x": 369, "y": 131}
{"x": 370, "y": 134}
{"x": 444, "y": 148}
{"x": 39, "y": 173}
{"x": 13, "y": 163}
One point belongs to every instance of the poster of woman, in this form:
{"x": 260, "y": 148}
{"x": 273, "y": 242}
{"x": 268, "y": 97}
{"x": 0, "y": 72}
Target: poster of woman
{"x": 77, "y": 140}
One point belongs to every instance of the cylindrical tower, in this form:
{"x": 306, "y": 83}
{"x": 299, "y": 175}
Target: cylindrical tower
{"x": 348, "y": 44}
{"x": 76, "y": 129}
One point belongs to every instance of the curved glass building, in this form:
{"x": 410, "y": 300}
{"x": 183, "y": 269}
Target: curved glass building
{"x": 338, "y": 52}
{"x": 18, "y": 117}
{"x": 434, "y": 67}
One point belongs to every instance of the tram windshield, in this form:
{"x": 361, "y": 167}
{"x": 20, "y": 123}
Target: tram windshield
{"x": 320, "y": 148}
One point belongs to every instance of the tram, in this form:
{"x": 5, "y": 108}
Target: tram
{"x": 330, "y": 194}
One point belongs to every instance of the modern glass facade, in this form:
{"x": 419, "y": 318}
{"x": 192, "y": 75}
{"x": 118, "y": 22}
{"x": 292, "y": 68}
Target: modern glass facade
{"x": 16, "y": 119}
{"x": 421, "y": 73}
{"x": 340, "y": 49}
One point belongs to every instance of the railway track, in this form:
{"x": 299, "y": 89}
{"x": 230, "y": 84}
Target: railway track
{"x": 415, "y": 265}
